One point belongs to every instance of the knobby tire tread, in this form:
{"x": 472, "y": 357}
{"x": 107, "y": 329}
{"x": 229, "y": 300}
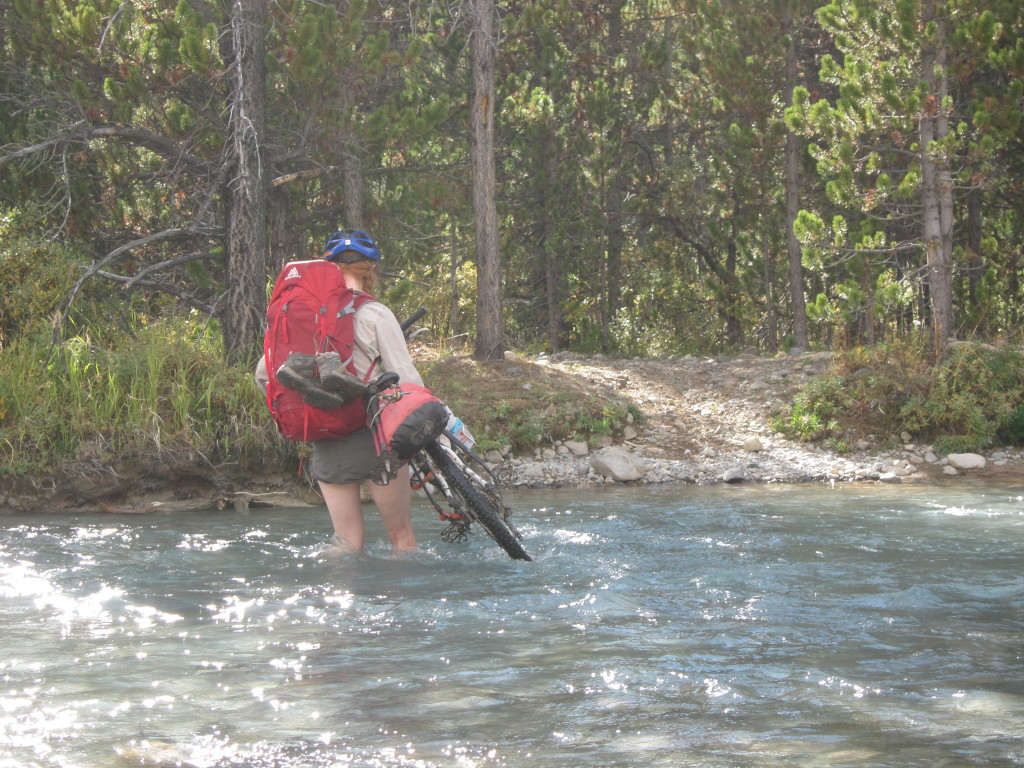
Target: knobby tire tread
{"x": 482, "y": 508}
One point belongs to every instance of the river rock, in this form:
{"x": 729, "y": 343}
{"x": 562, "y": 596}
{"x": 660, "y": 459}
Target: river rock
{"x": 577, "y": 447}
{"x": 734, "y": 475}
{"x": 532, "y": 471}
{"x": 618, "y": 464}
{"x": 966, "y": 460}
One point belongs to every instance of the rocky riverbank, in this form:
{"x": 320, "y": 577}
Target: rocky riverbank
{"x": 756, "y": 461}
{"x": 706, "y": 420}
{"x": 702, "y": 420}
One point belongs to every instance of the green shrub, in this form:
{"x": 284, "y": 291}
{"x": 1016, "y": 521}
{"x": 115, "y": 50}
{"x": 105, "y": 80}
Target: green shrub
{"x": 862, "y": 394}
{"x": 1012, "y": 430}
{"x": 162, "y": 393}
{"x": 519, "y": 403}
{"x": 972, "y": 395}
{"x": 814, "y": 412}
{"x": 35, "y": 276}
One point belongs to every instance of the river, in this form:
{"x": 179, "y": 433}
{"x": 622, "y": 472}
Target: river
{"x": 704, "y": 627}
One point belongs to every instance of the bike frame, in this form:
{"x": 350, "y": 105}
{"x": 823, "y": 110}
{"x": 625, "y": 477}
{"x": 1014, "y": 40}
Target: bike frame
{"x": 450, "y": 506}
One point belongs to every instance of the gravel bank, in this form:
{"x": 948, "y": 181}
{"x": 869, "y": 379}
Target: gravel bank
{"x": 706, "y": 420}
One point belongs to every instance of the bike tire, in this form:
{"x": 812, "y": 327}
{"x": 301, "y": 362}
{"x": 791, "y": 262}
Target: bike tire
{"x": 482, "y": 508}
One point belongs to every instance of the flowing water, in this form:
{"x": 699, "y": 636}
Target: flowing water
{"x": 718, "y": 627}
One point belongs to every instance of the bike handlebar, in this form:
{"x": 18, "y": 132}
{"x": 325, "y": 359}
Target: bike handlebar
{"x": 407, "y": 323}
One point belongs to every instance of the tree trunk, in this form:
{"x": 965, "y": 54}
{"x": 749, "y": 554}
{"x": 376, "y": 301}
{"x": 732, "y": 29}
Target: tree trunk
{"x": 454, "y": 327}
{"x": 975, "y": 268}
{"x": 612, "y": 199}
{"x": 945, "y": 173}
{"x": 797, "y": 300}
{"x": 490, "y": 336}
{"x": 936, "y": 187}
{"x": 613, "y": 254}
{"x": 352, "y": 192}
{"x": 771, "y": 316}
{"x": 549, "y": 263}
{"x": 247, "y": 241}
{"x": 283, "y": 245}
{"x": 733, "y": 326}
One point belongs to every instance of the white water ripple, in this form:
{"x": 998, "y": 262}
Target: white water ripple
{"x": 698, "y": 627}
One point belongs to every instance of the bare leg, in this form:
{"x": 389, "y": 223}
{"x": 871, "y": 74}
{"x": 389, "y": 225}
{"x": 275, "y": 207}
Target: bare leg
{"x": 394, "y": 502}
{"x": 346, "y": 513}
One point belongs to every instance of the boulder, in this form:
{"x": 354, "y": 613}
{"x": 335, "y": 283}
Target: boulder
{"x": 618, "y": 464}
{"x": 577, "y": 447}
{"x": 966, "y": 460}
{"x": 734, "y": 476}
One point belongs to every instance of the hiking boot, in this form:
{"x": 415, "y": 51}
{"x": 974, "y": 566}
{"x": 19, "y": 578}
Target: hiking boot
{"x": 335, "y": 378}
{"x": 300, "y": 364}
{"x": 299, "y": 373}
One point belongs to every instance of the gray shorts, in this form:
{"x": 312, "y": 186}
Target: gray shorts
{"x": 348, "y": 459}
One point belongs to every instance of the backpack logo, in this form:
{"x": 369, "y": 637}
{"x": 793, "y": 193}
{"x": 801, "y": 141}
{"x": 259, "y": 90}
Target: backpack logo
{"x": 294, "y": 273}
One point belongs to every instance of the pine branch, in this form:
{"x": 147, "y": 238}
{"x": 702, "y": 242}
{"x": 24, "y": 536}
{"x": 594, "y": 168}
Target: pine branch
{"x": 171, "y": 263}
{"x": 97, "y": 268}
{"x": 161, "y": 145}
{"x": 165, "y": 287}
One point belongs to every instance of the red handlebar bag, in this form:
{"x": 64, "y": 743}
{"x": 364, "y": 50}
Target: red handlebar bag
{"x": 404, "y": 419}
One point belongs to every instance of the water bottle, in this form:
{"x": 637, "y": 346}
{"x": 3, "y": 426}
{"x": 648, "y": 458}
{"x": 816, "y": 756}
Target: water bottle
{"x": 459, "y": 431}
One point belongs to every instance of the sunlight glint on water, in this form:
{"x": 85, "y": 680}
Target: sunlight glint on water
{"x": 705, "y": 627}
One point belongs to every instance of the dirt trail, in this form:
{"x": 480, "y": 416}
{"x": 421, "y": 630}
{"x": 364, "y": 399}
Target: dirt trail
{"x": 692, "y": 403}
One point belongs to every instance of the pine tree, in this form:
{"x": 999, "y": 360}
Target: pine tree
{"x": 890, "y": 144}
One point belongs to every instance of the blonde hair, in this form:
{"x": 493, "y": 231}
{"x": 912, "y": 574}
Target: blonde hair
{"x": 369, "y": 278}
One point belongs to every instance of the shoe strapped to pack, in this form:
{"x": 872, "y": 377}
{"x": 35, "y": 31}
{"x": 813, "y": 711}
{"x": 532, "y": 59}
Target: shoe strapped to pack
{"x": 299, "y": 373}
{"x": 335, "y": 378}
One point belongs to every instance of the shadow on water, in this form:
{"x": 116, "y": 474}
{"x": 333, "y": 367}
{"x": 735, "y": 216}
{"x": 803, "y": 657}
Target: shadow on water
{"x": 741, "y": 626}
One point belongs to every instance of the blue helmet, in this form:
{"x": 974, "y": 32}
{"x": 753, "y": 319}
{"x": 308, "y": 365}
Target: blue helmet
{"x": 351, "y": 240}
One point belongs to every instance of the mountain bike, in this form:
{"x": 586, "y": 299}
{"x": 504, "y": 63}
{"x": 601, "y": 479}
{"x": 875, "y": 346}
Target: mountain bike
{"x": 456, "y": 481}
{"x": 458, "y": 484}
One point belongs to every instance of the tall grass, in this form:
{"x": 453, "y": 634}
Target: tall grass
{"x": 162, "y": 392}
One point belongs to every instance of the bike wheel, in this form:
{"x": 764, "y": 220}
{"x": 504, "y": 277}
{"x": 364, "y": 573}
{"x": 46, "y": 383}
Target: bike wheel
{"x": 483, "y": 509}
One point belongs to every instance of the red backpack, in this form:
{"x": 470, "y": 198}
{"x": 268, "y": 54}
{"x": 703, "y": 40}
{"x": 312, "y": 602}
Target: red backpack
{"x": 311, "y": 310}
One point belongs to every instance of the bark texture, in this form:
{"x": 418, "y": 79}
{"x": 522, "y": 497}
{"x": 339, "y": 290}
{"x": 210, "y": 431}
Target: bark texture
{"x": 490, "y": 339}
{"x": 247, "y": 192}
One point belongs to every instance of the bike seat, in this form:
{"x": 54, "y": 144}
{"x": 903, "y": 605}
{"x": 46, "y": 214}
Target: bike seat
{"x": 382, "y": 382}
